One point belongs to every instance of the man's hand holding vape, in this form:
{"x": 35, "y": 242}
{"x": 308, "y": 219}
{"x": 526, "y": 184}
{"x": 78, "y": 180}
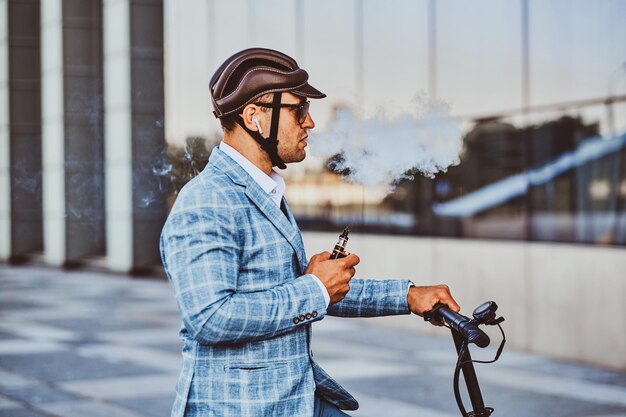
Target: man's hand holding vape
{"x": 335, "y": 274}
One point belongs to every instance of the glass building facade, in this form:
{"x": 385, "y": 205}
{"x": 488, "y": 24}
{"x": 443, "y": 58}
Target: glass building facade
{"x": 539, "y": 89}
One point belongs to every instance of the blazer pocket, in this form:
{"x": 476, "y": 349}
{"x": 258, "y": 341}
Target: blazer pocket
{"x": 257, "y": 380}
{"x": 254, "y": 366}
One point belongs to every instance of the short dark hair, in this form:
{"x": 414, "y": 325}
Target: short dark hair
{"x": 229, "y": 123}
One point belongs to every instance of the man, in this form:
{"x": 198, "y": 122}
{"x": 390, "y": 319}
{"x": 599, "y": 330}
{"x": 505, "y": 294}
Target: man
{"x": 232, "y": 249}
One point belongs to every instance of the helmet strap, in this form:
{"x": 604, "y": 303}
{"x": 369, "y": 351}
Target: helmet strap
{"x": 275, "y": 114}
{"x": 269, "y": 144}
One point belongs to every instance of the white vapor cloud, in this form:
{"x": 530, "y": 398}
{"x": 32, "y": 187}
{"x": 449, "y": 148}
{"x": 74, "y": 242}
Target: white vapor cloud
{"x": 381, "y": 151}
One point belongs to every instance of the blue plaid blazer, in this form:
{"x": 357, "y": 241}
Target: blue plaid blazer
{"x": 235, "y": 262}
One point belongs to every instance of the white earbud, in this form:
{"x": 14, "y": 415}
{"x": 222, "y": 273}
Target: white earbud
{"x": 258, "y": 125}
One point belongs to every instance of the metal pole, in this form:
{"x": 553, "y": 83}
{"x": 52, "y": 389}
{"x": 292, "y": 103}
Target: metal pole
{"x": 432, "y": 51}
{"x": 617, "y": 162}
{"x": 359, "y": 76}
{"x": 251, "y": 22}
{"x": 359, "y": 55}
{"x": 211, "y": 55}
{"x": 525, "y": 58}
{"x": 527, "y": 145}
{"x": 473, "y": 389}
{"x": 299, "y": 23}
{"x": 428, "y": 190}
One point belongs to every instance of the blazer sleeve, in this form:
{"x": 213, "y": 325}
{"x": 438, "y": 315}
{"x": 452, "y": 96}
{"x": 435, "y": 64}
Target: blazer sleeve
{"x": 200, "y": 252}
{"x": 373, "y": 298}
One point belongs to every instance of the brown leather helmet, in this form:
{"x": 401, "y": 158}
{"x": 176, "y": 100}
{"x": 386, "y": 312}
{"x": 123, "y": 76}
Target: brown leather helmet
{"x": 251, "y": 73}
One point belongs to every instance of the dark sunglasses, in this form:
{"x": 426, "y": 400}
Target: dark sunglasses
{"x": 301, "y": 109}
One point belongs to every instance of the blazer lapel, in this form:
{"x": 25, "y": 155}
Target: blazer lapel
{"x": 285, "y": 225}
{"x": 301, "y": 252}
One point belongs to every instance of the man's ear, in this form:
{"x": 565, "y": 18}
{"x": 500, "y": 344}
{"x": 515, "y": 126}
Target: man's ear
{"x": 249, "y": 114}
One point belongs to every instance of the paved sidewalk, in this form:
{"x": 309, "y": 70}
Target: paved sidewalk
{"x": 88, "y": 344}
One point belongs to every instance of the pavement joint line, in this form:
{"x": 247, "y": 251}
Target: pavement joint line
{"x": 38, "y": 331}
{"x": 549, "y": 384}
{"x": 54, "y": 386}
{"x": 609, "y": 415}
{"x": 380, "y": 406}
{"x": 26, "y": 379}
{"x": 26, "y": 346}
{"x": 57, "y": 386}
{"x": 360, "y": 368}
{"x": 7, "y": 403}
{"x": 125, "y": 387}
{"x": 30, "y": 407}
{"x": 322, "y": 348}
{"x": 155, "y": 358}
{"x": 141, "y": 337}
{"x": 99, "y": 410}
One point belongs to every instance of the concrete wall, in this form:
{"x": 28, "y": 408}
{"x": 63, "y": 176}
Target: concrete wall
{"x": 562, "y": 301}
{"x": 20, "y": 130}
{"x": 5, "y": 138}
{"x": 134, "y": 139}
{"x": 72, "y": 131}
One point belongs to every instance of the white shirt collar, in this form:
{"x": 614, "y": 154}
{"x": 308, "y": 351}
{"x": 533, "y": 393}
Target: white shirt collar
{"x": 273, "y": 185}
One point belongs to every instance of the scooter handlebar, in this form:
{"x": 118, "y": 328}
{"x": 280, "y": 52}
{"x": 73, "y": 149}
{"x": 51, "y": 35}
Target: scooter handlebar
{"x": 465, "y": 326}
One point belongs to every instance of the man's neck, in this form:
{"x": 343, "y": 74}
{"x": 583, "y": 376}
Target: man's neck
{"x": 250, "y": 150}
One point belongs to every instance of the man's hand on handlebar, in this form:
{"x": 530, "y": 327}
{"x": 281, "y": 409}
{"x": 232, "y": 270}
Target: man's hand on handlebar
{"x": 423, "y": 299}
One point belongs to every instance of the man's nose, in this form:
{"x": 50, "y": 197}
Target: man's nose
{"x": 308, "y": 122}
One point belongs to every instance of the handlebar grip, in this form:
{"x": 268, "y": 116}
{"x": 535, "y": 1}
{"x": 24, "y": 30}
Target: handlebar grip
{"x": 468, "y": 329}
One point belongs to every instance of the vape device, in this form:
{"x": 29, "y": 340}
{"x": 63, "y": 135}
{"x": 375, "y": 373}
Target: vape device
{"x": 340, "y": 246}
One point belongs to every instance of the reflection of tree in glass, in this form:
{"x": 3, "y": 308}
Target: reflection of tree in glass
{"x": 189, "y": 160}
{"x": 333, "y": 164}
{"x": 495, "y": 149}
